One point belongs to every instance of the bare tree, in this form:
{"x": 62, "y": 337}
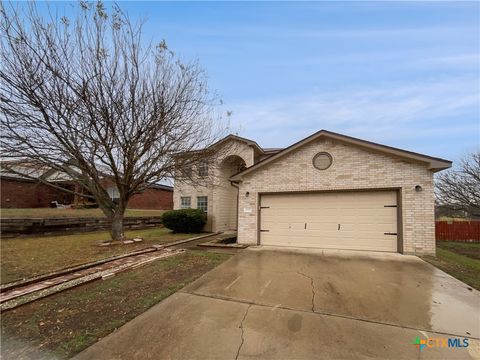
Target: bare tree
{"x": 88, "y": 97}
{"x": 460, "y": 187}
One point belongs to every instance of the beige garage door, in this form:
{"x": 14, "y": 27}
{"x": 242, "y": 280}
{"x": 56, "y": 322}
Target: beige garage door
{"x": 346, "y": 220}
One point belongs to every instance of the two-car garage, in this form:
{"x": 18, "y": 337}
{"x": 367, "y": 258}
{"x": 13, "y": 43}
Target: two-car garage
{"x": 331, "y": 191}
{"x": 356, "y": 220}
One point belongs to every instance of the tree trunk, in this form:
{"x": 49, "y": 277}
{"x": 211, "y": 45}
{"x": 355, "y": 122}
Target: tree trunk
{"x": 117, "y": 227}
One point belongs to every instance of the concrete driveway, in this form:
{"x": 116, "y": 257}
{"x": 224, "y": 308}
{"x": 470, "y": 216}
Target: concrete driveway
{"x": 272, "y": 304}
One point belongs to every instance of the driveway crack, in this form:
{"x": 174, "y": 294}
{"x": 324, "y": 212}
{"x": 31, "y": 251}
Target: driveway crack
{"x": 243, "y": 332}
{"x": 313, "y": 288}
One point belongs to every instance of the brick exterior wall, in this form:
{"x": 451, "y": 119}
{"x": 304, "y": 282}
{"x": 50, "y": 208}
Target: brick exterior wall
{"x": 352, "y": 168}
{"x": 30, "y": 194}
{"x": 222, "y": 196}
{"x": 152, "y": 199}
{"x": 192, "y": 191}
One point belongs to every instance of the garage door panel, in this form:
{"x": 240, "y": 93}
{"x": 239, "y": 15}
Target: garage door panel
{"x": 364, "y": 218}
{"x": 294, "y": 226}
{"x": 332, "y": 244}
{"x": 312, "y": 220}
{"x": 312, "y": 226}
{"x": 315, "y": 212}
{"x": 278, "y": 226}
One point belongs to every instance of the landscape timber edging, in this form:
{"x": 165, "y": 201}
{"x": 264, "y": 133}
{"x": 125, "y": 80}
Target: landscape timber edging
{"x": 30, "y": 297}
{"x": 22, "y": 282}
{"x": 12, "y": 227}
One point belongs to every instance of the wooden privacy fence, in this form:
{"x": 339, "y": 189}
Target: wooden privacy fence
{"x": 468, "y": 231}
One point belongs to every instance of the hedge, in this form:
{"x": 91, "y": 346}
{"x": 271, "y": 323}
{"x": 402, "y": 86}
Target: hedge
{"x": 184, "y": 220}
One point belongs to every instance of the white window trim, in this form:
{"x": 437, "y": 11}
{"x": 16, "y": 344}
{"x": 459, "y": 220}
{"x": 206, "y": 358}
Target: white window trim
{"x": 185, "y": 206}
{"x": 206, "y": 203}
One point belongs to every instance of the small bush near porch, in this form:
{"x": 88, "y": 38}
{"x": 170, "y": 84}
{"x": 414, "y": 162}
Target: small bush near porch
{"x": 184, "y": 220}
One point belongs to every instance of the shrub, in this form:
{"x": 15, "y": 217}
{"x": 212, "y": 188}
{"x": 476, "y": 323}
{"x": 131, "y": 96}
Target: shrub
{"x": 184, "y": 220}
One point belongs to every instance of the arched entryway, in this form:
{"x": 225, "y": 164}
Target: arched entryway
{"x": 226, "y": 194}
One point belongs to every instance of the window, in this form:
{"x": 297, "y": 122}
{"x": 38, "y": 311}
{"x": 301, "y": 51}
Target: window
{"x": 202, "y": 203}
{"x": 185, "y": 202}
{"x": 203, "y": 169}
{"x": 322, "y": 161}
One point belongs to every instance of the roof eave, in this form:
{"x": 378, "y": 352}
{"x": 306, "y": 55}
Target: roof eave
{"x": 221, "y": 141}
{"x": 433, "y": 163}
{"x": 436, "y": 166}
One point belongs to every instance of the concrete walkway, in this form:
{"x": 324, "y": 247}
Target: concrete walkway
{"x": 268, "y": 304}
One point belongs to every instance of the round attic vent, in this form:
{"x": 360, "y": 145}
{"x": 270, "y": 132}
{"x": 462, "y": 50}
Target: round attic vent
{"x": 322, "y": 161}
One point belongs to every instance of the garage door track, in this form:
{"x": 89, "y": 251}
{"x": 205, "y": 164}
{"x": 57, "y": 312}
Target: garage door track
{"x": 272, "y": 304}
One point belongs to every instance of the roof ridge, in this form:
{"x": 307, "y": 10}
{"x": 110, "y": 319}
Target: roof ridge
{"x": 351, "y": 139}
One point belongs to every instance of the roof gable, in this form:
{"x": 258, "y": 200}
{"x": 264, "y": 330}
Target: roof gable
{"x": 433, "y": 163}
{"x": 241, "y": 139}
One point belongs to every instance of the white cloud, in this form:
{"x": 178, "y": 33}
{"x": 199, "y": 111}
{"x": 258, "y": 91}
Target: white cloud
{"x": 253, "y": 30}
{"x": 414, "y": 111}
{"x": 463, "y": 60}
{"x": 413, "y": 58}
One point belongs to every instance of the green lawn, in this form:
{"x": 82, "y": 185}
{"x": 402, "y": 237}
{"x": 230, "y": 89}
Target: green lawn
{"x": 27, "y": 257}
{"x": 471, "y": 250}
{"x": 61, "y": 325}
{"x": 50, "y": 213}
{"x": 461, "y": 260}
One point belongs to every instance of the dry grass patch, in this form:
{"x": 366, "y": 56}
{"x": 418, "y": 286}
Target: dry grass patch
{"x": 32, "y": 256}
{"x": 461, "y": 260}
{"x": 64, "y": 324}
{"x": 54, "y": 213}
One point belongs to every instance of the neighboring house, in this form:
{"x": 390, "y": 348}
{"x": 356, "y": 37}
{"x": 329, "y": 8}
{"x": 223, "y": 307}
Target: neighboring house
{"x": 17, "y": 192}
{"x": 155, "y": 197}
{"x": 20, "y": 187}
{"x": 27, "y": 191}
{"x": 325, "y": 191}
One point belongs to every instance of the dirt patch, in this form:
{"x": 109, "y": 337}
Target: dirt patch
{"x": 64, "y": 324}
{"x": 229, "y": 240}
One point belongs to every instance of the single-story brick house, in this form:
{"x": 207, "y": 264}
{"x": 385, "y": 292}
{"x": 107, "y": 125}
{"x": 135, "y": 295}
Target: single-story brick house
{"x": 325, "y": 191}
{"x": 19, "y": 191}
{"x": 156, "y": 197}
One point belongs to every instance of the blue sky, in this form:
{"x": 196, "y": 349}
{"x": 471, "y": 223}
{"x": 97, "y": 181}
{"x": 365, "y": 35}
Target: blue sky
{"x": 404, "y": 74}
